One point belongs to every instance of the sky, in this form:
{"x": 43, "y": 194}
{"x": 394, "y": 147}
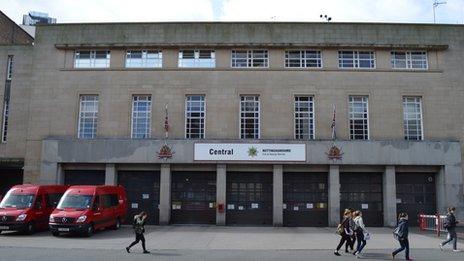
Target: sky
{"x": 85, "y": 11}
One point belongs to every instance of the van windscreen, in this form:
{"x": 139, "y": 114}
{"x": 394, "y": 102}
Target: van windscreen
{"x": 75, "y": 201}
{"x": 13, "y": 200}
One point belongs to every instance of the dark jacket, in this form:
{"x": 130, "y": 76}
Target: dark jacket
{"x": 402, "y": 230}
{"x": 347, "y": 226}
{"x": 451, "y": 220}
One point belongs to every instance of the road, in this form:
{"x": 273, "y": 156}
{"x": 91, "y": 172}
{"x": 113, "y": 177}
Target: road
{"x": 192, "y": 243}
{"x": 52, "y": 254}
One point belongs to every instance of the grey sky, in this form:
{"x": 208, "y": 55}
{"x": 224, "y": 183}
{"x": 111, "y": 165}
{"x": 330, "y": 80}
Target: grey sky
{"x": 74, "y": 11}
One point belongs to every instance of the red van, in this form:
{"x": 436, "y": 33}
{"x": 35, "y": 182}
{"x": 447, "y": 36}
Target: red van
{"x": 84, "y": 209}
{"x": 27, "y": 208}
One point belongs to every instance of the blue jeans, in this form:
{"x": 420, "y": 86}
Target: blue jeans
{"x": 404, "y": 243}
{"x": 361, "y": 241}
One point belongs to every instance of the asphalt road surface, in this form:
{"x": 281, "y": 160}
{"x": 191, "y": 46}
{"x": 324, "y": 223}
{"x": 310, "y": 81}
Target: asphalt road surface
{"x": 52, "y": 254}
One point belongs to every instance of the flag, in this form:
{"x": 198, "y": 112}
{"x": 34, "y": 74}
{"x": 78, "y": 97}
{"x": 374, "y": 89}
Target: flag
{"x": 334, "y": 134}
{"x": 166, "y": 122}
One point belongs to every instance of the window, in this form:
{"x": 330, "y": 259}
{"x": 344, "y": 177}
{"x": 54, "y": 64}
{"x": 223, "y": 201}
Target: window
{"x": 88, "y": 116}
{"x": 197, "y": 59}
{"x": 141, "y": 116}
{"x": 195, "y": 117}
{"x": 356, "y": 59}
{"x": 412, "y": 110}
{"x": 92, "y": 59}
{"x": 304, "y": 117}
{"x": 409, "y": 60}
{"x": 249, "y": 117}
{"x": 9, "y": 67}
{"x": 144, "y": 59}
{"x": 114, "y": 200}
{"x": 359, "y": 117}
{"x": 250, "y": 58}
{"x": 52, "y": 199}
{"x": 303, "y": 59}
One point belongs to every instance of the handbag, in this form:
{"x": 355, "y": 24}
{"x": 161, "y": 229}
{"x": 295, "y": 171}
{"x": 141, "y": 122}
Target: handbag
{"x": 367, "y": 236}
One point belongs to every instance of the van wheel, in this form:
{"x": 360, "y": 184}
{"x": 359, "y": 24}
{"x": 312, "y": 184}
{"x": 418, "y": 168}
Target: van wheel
{"x": 89, "y": 231}
{"x": 55, "y": 234}
{"x": 30, "y": 228}
{"x": 117, "y": 225}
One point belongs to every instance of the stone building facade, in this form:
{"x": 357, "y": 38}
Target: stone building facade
{"x": 250, "y": 109}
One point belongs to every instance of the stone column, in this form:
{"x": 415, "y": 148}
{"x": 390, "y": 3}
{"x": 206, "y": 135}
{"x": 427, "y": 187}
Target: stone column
{"x": 110, "y": 175}
{"x": 334, "y": 195}
{"x": 389, "y": 196}
{"x": 449, "y": 184}
{"x": 221, "y": 186}
{"x": 278, "y": 195}
{"x": 60, "y": 175}
{"x": 165, "y": 195}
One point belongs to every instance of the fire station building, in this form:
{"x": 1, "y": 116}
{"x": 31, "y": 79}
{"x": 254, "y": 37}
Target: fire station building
{"x": 283, "y": 124}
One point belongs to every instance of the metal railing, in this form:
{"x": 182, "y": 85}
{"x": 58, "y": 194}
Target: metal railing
{"x": 432, "y": 223}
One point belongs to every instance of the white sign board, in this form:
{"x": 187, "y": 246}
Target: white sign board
{"x": 364, "y": 206}
{"x": 134, "y": 205}
{"x": 249, "y": 152}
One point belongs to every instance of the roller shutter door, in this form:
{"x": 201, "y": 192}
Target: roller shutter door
{"x": 84, "y": 177}
{"x": 305, "y": 200}
{"x": 249, "y": 198}
{"x": 363, "y": 191}
{"x": 193, "y": 197}
{"x": 416, "y": 194}
{"x": 142, "y": 189}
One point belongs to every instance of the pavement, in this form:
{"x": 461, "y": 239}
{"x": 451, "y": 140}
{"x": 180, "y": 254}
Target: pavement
{"x": 215, "y": 243}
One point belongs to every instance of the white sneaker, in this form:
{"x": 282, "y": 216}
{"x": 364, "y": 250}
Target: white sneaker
{"x": 358, "y": 255}
{"x": 441, "y": 247}
{"x": 457, "y": 250}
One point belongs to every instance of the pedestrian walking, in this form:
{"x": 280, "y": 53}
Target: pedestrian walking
{"x": 344, "y": 230}
{"x": 450, "y": 225}
{"x": 401, "y": 233}
{"x": 361, "y": 233}
{"x": 139, "y": 229}
{"x": 353, "y": 237}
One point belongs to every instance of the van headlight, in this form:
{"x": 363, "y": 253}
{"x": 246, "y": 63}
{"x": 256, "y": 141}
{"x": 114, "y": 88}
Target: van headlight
{"x": 21, "y": 217}
{"x": 81, "y": 219}
{"x": 51, "y": 219}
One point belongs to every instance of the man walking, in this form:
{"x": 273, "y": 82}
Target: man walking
{"x": 450, "y": 225}
{"x": 401, "y": 234}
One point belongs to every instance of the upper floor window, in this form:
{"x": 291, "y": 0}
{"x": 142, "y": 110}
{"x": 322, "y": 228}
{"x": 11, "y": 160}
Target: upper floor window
{"x": 356, "y": 59}
{"x": 92, "y": 59}
{"x": 304, "y": 117}
{"x": 250, "y": 58}
{"x": 249, "y": 117}
{"x": 409, "y": 60}
{"x": 141, "y": 117}
{"x": 195, "y": 117}
{"x": 88, "y": 116}
{"x": 9, "y": 67}
{"x": 144, "y": 59}
{"x": 303, "y": 59}
{"x": 412, "y": 121}
{"x": 359, "y": 117}
{"x": 197, "y": 59}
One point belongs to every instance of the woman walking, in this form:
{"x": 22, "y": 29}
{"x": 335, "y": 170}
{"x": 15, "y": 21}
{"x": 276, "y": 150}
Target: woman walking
{"x": 450, "y": 225}
{"x": 401, "y": 234}
{"x": 361, "y": 232}
{"x": 344, "y": 231}
{"x": 139, "y": 229}
{"x": 353, "y": 237}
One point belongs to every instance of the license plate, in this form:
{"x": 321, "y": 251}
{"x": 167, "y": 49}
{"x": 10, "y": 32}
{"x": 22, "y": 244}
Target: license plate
{"x": 4, "y": 227}
{"x": 63, "y": 229}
